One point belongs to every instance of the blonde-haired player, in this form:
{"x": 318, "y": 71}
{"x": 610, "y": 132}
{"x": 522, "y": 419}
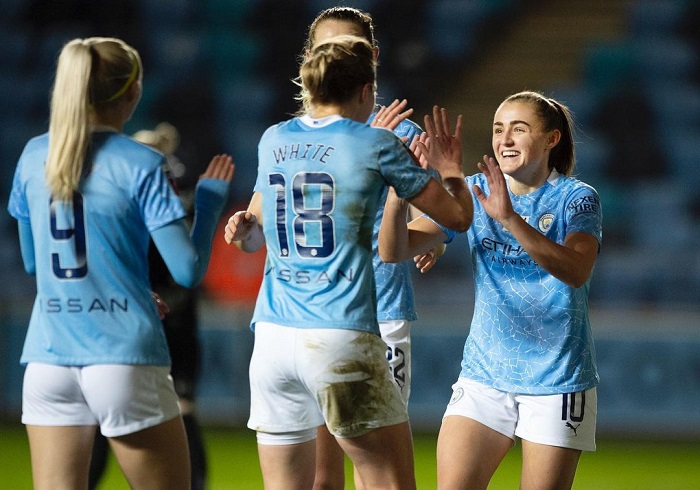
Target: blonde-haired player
{"x": 87, "y": 200}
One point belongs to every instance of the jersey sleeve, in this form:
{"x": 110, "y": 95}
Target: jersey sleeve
{"x": 408, "y": 129}
{"x": 17, "y": 205}
{"x": 399, "y": 169}
{"x": 157, "y": 200}
{"x": 584, "y": 213}
{"x": 451, "y": 234}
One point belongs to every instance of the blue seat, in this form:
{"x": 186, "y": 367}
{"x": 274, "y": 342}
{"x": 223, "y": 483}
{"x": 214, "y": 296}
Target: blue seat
{"x": 654, "y": 17}
{"x": 607, "y": 65}
{"x": 174, "y": 52}
{"x": 452, "y": 26}
{"x": 582, "y": 99}
{"x": 232, "y": 54}
{"x": 676, "y": 104}
{"x": 681, "y": 146}
{"x": 167, "y": 14}
{"x": 250, "y": 98}
{"x": 229, "y": 13}
{"x": 664, "y": 58}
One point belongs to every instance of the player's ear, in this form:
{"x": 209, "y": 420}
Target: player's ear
{"x": 367, "y": 91}
{"x": 553, "y": 138}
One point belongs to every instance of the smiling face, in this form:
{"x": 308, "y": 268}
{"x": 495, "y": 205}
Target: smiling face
{"x": 520, "y": 144}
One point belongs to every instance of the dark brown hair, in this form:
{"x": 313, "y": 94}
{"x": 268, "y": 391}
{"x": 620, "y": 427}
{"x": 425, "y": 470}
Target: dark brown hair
{"x": 348, "y": 14}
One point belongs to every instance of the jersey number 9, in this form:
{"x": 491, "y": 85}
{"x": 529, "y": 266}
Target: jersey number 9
{"x": 76, "y": 234}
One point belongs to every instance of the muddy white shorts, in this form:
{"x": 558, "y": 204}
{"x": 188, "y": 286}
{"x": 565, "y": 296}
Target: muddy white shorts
{"x": 301, "y": 378}
{"x": 563, "y": 420}
{"x": 120, "y": 398}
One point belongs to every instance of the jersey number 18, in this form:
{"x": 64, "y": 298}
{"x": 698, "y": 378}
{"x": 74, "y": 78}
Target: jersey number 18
{"x": 312, "y": 198}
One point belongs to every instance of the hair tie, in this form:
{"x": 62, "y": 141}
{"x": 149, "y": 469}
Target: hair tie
{"x": 129, "y": 81}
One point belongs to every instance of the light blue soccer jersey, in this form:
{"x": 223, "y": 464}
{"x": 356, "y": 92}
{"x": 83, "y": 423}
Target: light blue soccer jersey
{"x": 395, "y": 299}
{"x": 322, "y": 183}
{"x": 93, "y": 303}
{"x": 530, "y": 332}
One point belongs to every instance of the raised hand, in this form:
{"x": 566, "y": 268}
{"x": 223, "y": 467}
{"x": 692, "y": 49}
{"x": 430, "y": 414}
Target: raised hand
{"x": 389, "y": 117}
{"x": 221, "y": 167}
{"x": 444, "y": 148}
{"x": 497, "y": 204}
{"x": 417, "y": 151}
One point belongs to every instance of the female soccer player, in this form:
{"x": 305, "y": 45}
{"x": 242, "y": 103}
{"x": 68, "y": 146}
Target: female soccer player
{"x": 529, "y": 366}
{"x": 318, "y": 358}
{"x": 87, "y": 200}
{"x": 395, "y": 303}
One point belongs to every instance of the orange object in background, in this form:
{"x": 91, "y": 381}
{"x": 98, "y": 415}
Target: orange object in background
{"x": 233, "y": 276}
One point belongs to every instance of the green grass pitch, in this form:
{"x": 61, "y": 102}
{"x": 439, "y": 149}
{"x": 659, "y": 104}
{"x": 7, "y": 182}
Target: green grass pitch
{"x": 233, "y": 464}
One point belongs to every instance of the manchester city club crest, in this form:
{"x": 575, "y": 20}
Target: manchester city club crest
{"x": 545, "y": 222}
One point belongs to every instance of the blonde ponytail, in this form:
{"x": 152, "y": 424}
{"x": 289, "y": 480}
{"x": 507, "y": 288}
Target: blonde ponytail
{"x": 69, "y": 130}
{"x": 92, "y": 75}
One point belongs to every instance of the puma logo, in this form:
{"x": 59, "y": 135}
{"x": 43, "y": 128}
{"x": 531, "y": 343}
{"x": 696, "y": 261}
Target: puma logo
{"x": 575, "y": 429}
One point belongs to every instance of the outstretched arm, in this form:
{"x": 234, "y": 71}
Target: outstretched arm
{"x": 244, "y": 228}
{"x": 426, "y": 260}
{"x": 399, "y": 240}
{"x": 187, "y": 252}
{"x": 450, "y": 204}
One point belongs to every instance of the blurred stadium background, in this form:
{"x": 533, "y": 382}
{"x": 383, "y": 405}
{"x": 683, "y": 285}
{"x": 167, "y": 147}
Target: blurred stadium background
{"x": 220, "y": 71}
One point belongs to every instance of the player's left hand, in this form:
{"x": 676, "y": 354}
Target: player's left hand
{"x": 444, "y": 148}
{"x": 221, "y": 167}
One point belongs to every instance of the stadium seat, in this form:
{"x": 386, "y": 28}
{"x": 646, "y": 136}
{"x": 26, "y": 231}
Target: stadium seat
{"x": 654, "y": 17}
{"x": 664, "y": 58}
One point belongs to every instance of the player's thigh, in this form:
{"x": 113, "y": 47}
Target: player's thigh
{"x": 555, "y": 429}
{"x": 548, "y": 467}
{"x": 468, "y": 453}
{"x": 383, "y": 456}
{"x": 156, "y": 457}
{"x": 60, "y": 456}
{"x": 330, "y": 462}
{"x": 287, "y": 466}
{"x": 478, "y": 429}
